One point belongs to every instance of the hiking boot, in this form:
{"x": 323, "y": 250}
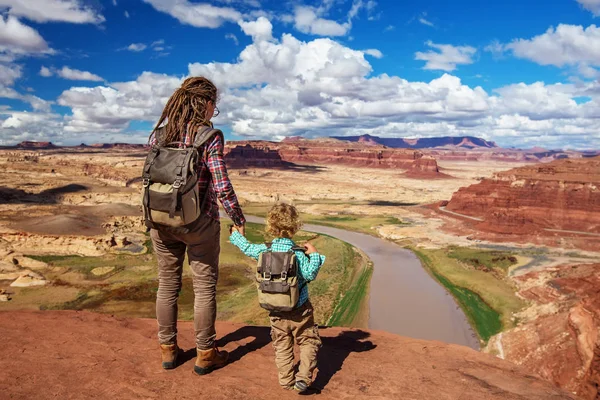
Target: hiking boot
{"x": 301, "y": 386}
{"x": 169, "y": 355}
{"x": 209, "y": 360}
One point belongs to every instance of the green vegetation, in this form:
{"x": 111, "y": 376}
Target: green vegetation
{"x": 349, "y": 308}
{"x": 351, "y": 222}
{"x": 488, "y": 302}
{"x": 484, "y": 259}
{"x": 129, "y": 288}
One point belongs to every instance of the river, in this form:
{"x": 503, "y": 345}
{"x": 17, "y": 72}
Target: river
{"x": 403, "y": 298}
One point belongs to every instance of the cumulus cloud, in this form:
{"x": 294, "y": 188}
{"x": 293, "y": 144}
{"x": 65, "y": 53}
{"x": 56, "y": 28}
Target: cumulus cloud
{"x": 111, "y": 109}
{"x": 307, "y": 21}
{"x": 70, "y": 74}
{"x": 591, "y": 5}
{"x": 200, "y": 15}
{"x": 45, "y": 72}
{"x": 283, "y": 87}
{"x": 447, "y": 56}
{"x": 565, "y": 45}
{"x": 73, "y": 11}
{"x": 261, "y": 29}
{"x": 9, "y": 74}
{"x": 17, "y": 38}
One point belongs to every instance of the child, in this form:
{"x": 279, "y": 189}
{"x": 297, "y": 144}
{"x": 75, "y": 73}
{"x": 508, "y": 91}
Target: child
{"x": 299, "y": 325}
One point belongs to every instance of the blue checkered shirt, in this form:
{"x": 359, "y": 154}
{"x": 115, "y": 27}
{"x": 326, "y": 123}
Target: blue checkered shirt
{"x": 308, "y": 265}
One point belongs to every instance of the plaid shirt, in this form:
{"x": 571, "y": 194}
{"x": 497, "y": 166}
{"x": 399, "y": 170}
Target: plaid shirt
{"x": 212, "y": 176}
{"x": 309, "y": 266}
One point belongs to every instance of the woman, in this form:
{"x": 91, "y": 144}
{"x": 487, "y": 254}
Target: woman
{"x": 189, "y": 109}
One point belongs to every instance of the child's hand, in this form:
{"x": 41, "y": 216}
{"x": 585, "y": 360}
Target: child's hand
{"x": 310, "y": 248}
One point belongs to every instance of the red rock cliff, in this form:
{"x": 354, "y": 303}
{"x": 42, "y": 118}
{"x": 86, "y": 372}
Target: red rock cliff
{"x": 561, "y": 195}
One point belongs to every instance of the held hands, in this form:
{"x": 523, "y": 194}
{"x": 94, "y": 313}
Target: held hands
{"x": 310, "y": 248}
{"x": 241, "y": 229}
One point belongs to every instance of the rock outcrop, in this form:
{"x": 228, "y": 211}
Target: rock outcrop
{"x": 559, "y": 336}
{"x": 329, "y": 151}
{"x": 563, "y": 195}
{"x": 248, "y": 155}
{"x": 67, "y": 354}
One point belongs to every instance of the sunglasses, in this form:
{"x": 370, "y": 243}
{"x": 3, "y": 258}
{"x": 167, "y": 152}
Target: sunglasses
{"x": 216, "y": 112}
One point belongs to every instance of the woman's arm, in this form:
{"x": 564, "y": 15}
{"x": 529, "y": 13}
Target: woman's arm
{"x": 221, "y": 182}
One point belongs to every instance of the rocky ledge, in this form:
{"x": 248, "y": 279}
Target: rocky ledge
{"x": 69, "y": 354}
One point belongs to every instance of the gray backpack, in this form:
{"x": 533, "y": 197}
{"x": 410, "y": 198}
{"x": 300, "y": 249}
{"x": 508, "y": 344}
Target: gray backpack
{"x": 170, "y": 195}
{"x": 277, "y": 279}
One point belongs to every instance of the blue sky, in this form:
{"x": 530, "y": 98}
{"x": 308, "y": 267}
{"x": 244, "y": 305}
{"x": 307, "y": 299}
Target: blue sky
{"x": 522, "y": 73}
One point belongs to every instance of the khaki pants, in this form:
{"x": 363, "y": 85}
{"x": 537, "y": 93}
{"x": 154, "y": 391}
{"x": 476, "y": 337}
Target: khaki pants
{"x": 299, "y": 326}
{"x": 203, "y": 245}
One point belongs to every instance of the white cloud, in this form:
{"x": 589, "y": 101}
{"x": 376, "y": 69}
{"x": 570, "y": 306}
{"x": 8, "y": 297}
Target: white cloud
{"x": 591, "y": 5}
{"x": 126, "y": 14}
{"x": 567, "y": 45}
{"x": 261, "y": 29}
{"x": 389, "y": 28}
{"x": 374, "y": 52}
{"x": 307, "y": 21}
{"x": 114, "y": 2}
{"x": 53, "y": 10}
{"x": 111, "y": 109}
{"x": 286, "y": 86}
{"x": 70, "y": 74}
{"x": 423, "y": 20}
{"x": 19, "y": 39}
{"x": 231, "y": 36}
{"x": 136, "y": 47}
{"x": 200, "y": 15}
{"x": 45, "y": 72}
{"x": 9, "y": 74}
{"x": 77, "y": 75}
{"x": 447, "y": 57}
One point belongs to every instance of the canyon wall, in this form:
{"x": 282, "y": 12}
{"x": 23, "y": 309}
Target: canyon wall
{"x": 561, "y": 195}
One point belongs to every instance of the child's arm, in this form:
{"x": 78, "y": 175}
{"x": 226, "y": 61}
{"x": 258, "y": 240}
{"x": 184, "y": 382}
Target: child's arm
{"x": 249, "y": 249}
{"x": 310, "y": 263}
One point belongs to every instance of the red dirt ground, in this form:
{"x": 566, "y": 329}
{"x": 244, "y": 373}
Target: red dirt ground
{"x": 78, "y": 355}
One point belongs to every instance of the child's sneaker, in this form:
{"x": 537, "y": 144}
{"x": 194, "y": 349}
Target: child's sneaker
{"x": 301, "y": 386}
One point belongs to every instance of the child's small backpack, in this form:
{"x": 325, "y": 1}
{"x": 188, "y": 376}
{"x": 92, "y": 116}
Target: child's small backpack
{"x": 170, "y": 181}
{"x": 277, "y": 279}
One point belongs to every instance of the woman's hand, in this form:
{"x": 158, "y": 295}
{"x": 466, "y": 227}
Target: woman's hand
{"x": 241, "y": 229}
{"x": 310, "y": 248}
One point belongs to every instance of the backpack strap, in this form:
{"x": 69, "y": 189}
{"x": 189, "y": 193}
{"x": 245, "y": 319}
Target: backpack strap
{"x": 203, "y": 135}
{"x": 298, "y": 248}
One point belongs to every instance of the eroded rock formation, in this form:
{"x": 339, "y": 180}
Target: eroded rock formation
{"x": 563, "y": 195}
{"x": 330, "y": 151}
{"x": 558, "y": 337}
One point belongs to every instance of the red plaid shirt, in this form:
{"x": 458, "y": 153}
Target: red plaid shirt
{"x": 212, "y": 176}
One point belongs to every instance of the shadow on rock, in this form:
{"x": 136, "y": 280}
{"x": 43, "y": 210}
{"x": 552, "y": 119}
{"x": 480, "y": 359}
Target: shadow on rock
{"x": 261, "y": 335}
{"x": 334, "y": 352}
{"x": 49, "y": 196}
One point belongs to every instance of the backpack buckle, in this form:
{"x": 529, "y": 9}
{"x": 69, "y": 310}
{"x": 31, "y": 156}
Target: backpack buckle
{"x": 146, "y": 182}
{"x": 283, "y": 275}
{"x": 267, "y": 276}
{"x": 177, "y": 184}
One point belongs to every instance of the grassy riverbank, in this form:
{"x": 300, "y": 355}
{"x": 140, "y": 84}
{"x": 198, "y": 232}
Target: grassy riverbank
{"x": 351, "y": 222}
{"x": 477, "y": 280}
{"x": 126, "y": 284}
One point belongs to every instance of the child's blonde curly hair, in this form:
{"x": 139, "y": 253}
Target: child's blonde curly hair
{"x": 283, "y": 220}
